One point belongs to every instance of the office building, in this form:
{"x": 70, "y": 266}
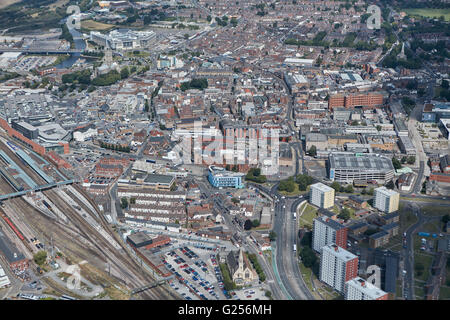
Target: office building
{"x": 355, "y": 100}
{"x": 327, "y": 231}
{"x": 345, "y": 167}
{"x": 221, "y": 178}
{"x": 386, "y": 200}
{"x": 321, "y": 195}
{"x": 124, "y": 39}
{"x": 360, "y": 289}
{"x": 337, "y": 266}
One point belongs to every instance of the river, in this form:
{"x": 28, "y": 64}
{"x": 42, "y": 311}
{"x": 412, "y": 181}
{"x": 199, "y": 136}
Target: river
{"x": 79, "y": 44}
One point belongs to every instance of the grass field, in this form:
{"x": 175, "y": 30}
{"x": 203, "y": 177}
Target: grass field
{"x": 444, "y": 293}
{"x": 92, "y": 25}
{"x": 426, "y": 261}
{"x": 428, "y": 13}
{"x": 434, "y": 210}
{"x": 419, "y": 290}
{"x": 308, "y": 215}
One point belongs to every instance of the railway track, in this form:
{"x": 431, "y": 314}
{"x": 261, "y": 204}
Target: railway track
{"x": 133, "y": 275}
{"x": 106, "y": 226}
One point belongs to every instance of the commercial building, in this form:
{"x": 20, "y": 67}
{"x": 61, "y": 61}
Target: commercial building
{"x": 26, "y": 129}
{"x": 337, "y": 266}
{"x": 143, "y": 240}
{"x": 327, "y": 231}
{"x": 345, "y": 167}
{"x": 221, "y": 178}
{"x": 299, "y": 62}
{"x": 319, "y": 140}
{"x": 124, "y": 39}
{"x": 406, "y": 145}
{"x": 435, "y": 111}
{"x": 84, "y": 133}
{"x": 15, "y": 259}
{"x": 321, "y": 195}
{"x": 360, "y": 289}
{"x": 355, "y": 100}
{"x": 386, "y": 200}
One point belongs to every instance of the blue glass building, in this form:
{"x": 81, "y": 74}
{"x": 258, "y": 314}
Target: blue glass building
{"x": 221, "y": 178}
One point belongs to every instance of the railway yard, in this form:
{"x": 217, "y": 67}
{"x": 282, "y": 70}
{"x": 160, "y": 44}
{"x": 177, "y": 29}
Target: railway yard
{"x": 61, "y": 220}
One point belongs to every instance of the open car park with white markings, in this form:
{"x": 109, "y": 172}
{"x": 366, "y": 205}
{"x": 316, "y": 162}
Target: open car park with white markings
{"x": 197, "y": 271}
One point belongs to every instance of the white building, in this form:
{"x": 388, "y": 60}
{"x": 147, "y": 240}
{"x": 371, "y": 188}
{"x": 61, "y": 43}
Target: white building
{"x": 386, "y": 200}
{"x": 337, "y": 266}
{"x": 85, "y": 133}
{"x": 321, "y": 195}
{"x": 4, "y": 280}
{"x": 360, "y": 289}
{"x": 124, "y": 39}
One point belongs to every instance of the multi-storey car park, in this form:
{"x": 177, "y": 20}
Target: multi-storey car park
{"x": 344, "y": 167}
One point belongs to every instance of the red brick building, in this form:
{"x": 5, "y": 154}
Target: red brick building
{"x": 354, "y": 100}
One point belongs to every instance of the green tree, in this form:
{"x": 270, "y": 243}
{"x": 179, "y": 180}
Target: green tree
{"x": 255, "y": 223}
{"x": 411, "y": 160}
{"x": 303, "y": 181}
{"x": 124, "y": 73}
{"x": 349, "y": 189}
{"x": 132, "y": 200}
{"x": 312, "y": 151}
{"x": 344, "y": 214}
{"x": 287, "y": 185}
{"x": 390, "y": 185}
{"x": 40, "y": 257}
{"x": 272, "y": 235}
{"x": 124, "y": 203}
{"x": 336, "y": 186}
{"x": 248, "y": 224}
{"x": 397, "y": 165}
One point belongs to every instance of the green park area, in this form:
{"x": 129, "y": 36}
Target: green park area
{"x": 306, "y": 214}
{"x": 428, "y": 13}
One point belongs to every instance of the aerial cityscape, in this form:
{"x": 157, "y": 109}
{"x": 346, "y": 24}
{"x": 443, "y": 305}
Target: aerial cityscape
{"x": 224, "y": 150}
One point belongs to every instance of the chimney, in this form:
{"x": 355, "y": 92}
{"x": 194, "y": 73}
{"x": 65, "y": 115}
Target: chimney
{"x": 363, "y": 283}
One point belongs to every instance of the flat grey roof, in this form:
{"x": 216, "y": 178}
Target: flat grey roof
{"x": 159, "y": 178}
{"x": 8, "y": 249}
{"x": 361, "y": 162}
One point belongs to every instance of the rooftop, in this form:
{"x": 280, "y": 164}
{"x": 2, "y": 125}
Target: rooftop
{"x": 386, "y": 191}
{"x": 366, "y": 287}
{"x": 321, "y": 187}
{"x": 339, "y": 252}
{"x": 360, "y": 161}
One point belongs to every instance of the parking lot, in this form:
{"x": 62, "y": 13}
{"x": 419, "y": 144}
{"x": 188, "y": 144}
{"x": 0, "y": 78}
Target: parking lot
{"x": 33, "y": 62}
{"x": 197, "y": 273}
{"x": 250, "y": 294}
